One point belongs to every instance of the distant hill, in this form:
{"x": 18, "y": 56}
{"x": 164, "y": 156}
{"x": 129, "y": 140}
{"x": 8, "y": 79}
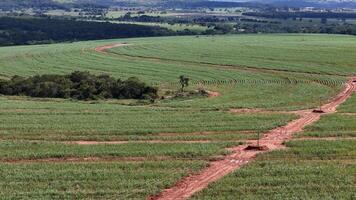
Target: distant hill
{"x": 305, "y": 3}
{"x": 10, "y": 4}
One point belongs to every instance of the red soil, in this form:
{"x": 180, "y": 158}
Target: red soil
{"x": 102, "y": 49}
{"x": 273, "y": 140}
{"x": 262, "y": 111}
{"x": 206, "y": 133}
{"x": 84, "y": 159}
{"x": 213, "y": 94}
{"x": 139, "y": 141}
{"x": 324, "y": 138}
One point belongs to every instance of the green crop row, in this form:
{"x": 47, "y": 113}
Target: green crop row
{"x": 129, "y": 180}
{"x": 38, "y": 150}
{"x": 308, "y": 170}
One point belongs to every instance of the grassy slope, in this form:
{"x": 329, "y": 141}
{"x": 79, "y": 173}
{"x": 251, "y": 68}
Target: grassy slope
{"x": 305, "y": 53}
{"x": 240, "y": 88}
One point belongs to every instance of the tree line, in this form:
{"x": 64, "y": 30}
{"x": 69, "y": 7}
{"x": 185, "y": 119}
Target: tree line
{"x": 290, "y": 15}
{"x": 78, "y": 85}
{"x": 34, "y": 30}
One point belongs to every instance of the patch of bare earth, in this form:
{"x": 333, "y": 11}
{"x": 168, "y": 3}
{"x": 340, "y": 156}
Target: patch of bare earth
{"x": 103, "y": 49}
{"x": 273, "y": 140}
{"x": 139, "y": 141}
{"x": 324, "y": 138}
{"x": 263, "y": 111}
{"x": 213, "y": 94}
{"x": 205, "y": 133}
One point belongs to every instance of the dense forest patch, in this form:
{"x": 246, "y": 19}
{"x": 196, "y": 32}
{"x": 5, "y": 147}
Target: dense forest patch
{"x": 78, "y": 85}
{"x": 19, "y": 31}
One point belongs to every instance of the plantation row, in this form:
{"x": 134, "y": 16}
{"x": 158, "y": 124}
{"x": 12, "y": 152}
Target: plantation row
{"x": 320, "y": 54}
{"x": 284, "y": 81}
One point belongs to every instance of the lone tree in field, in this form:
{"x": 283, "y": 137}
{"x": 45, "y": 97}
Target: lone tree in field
{"x": 184, "y": 82}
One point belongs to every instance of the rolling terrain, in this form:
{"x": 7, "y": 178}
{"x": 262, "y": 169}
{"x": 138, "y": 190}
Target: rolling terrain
{"x": 129, "y": 149}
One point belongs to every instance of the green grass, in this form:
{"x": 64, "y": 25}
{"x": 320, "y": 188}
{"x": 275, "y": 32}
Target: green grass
{"x": 91, "y": 180}
{"x": 66, "y": 120}
{"x": 303, "y": 53}
{"x": 37, "y": 150}
{"x": 349, "y": 106}
{"x": 308, "y": 170}
{"x": 340, "y": 124}
{"x": 336, "y": 125}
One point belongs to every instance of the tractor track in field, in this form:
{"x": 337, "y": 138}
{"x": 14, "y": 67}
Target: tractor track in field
{"x": 85, "y": 159}
{"x": 103, "y": 49}
{"x": 323, "y": 138}
{"x": 83, "y": 142}
{"x": 273, "y": 140}
{"x": 263, "y": 111}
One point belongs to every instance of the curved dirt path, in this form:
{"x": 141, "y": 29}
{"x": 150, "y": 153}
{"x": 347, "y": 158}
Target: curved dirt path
{"x": 274, "y": 140}
{"x": 103, "y": 49}
{"x": 213, "y": 94}
{"x": 86, "y": 159}
{"x": 84, "y": 142}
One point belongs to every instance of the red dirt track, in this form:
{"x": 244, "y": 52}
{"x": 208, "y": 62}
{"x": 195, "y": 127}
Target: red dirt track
{"x": 274, "y": 140}
{"x": 102, "y": 49}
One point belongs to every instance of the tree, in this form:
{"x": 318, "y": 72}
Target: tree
{"x": 184, "y": 82}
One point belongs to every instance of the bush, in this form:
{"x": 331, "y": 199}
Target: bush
{"x": 78, "y": 85}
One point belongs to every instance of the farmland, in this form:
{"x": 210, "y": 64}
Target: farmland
{"x": 131, "y": 149}
{"x": 308, "y": 170}
{"x": 319, "y": 164}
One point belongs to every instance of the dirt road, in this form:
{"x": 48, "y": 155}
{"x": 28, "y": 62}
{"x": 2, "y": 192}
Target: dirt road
{"x": 103, "y": 49}
{"x": 274, "y": 140}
